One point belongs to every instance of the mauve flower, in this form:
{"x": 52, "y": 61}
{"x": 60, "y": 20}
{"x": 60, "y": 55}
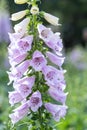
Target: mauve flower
{"x": 24, "y": 85}
{"x": 58, "y": 95}
{"x": 35, "y": 101}
{"x": 55, "y": 43}
{"x": 13, "y": 38}
{"x": 24, "y": 44}
{"x": 44, "y": 33}
{"x": 60, "y": 85}
{"x": 14, "y": 118}
{"x": 5, "y": 25}
{"x": 14, "y": 75}
{"x": 27, "y": 80}
{"x": 52, "y": 75}
{"x": 17, "y": 72}
{"x": 14, "y": 97}
{"x": 23, "y": 66}
{"x": 58, "y": 111}
{"x": 22, "y": 26}
{"x": 52, "y": 40}
{"x": 19, "y": 113}
{"x": 22, "y": 110}
{"x": 15, "y": 56}
{"x": 38, "y": 61}
{"x": 55, "y": 59}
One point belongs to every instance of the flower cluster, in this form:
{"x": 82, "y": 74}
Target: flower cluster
{"x": 21, "y": 44}
{"x": 33, "y": 66}
{"x": 54, "y": 76}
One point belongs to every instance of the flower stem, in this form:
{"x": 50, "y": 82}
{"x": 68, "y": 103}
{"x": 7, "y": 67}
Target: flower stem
{"x": 41, "y": 119}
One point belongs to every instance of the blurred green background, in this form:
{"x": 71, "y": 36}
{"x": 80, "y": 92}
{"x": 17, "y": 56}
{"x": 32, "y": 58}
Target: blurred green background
{"x": 73, "y": 17}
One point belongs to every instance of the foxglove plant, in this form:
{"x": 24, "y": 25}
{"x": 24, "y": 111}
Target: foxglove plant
{"x": 36, "y": 80}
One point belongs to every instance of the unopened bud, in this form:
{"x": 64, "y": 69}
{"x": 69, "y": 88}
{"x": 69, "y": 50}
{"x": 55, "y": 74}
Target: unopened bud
{"x": 18, "y": 15}
{"x": 20, "y": 1}
{"x": 51, "y": 19}
{"x": 34, "y": 10}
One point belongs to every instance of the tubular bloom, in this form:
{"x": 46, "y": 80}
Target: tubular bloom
{"x": 58, "y": 111}
{"x": 19, "y": 113}
{"x": 35, "y": 101}
{"x": 22, "y": 27}
{"x": 31, "y": 72}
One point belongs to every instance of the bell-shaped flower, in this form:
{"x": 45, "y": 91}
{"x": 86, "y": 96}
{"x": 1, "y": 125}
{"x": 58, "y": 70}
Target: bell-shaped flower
{"x": 22, "y": 26}
{"x": 14, "y": 37}
{"x": 19, "y": 113}
{"x": 24, "y": 44}
{"x": 44, "y": 33}
{"x": 52, "y": 75}
{"x": 60, "y": 85}
{"x": 19, "y": 15}
{"x": 38, "y": 61}
{"x": 17, "y": 72}
{"x": 35, "y": 101}
{"x": 55, "y": 59}
{"x": 58, "y": 95}
{"x": 24, "y": 85}
{"x": 14, "y": 97}
{"x": 55, "y": 43}
{"x": 58, "y": 111}
{"x": 51, "y": 19}
{"x": 15, "y": 56}
{"x": 58, "y": 42}
{"x": 14, "y": 118}
{"x": 52, "y": 40}
{"x": 23, "y": 66}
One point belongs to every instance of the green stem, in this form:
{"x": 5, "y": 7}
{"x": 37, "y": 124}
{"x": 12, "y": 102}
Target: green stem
{"x": 39, "y": 81}
{"x": 34, "y": 31}
{"x": 37, "y": 74}
{"x": 34, "y": 2}
{"x": 41, "y": 119}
